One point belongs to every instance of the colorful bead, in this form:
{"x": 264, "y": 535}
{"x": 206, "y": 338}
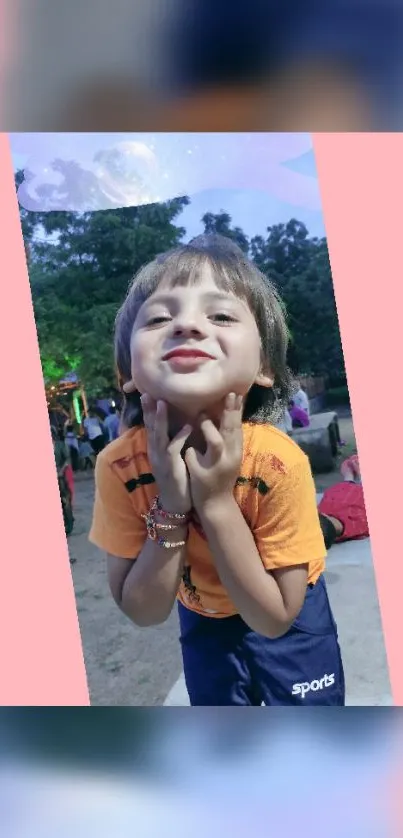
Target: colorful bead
{"x": 153, "y": 526}
{"x": 175, "y": 516}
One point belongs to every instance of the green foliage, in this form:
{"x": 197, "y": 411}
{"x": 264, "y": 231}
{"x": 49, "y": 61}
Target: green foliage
{"x": 337, "y": 396}
{"x": 81, "y": 265}
{"x": 300, "y": 268}
{"x": 221, "y": 223}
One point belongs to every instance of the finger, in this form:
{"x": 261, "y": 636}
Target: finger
{"x": 231, "y": 418}
{"x": 161, "y": 425}
{"x": 212, "y": 435}
{"x": 230, "y": 401}
{"x": 149, "y": 407}
{"x": 177, "y": 443}
{"x": 129, "y": 387}
{"x": 191, "y": 460}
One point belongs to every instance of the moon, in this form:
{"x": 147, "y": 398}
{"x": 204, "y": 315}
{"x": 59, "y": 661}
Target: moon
{"x": 140, "y": 151}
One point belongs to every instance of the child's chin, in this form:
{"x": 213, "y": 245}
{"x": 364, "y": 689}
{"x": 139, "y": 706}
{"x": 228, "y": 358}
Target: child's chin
{"x": 193, "y": 400}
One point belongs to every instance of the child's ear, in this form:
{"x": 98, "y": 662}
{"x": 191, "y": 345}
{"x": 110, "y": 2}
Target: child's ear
{"x": 264, "y": 379}
{"x": 129, "y": 387}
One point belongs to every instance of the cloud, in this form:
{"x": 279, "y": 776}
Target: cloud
{"x": 80, "y": 173}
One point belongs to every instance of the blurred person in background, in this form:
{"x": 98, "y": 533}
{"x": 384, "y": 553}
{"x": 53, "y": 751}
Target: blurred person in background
{"x": 299, "y": 416}
{"x": 86, "y": 452}
{"x": 65, "y": 478}
{"x": 94, "y": 429}
{"x": 264, "y": 65}
{"x": 112, "y": 423}
{"x": 72, "y": 443}
{"x": 300, "y": 399}
{"x": 288, "y": 66}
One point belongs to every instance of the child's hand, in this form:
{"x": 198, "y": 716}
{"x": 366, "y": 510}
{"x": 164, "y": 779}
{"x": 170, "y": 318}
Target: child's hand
{"x": 213, "y": 474}
{"x": 165, "y": 458}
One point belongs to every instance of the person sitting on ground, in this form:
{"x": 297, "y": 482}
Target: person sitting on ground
{"x": 299, "y": 416}
{"x": 301, "y": 400}
{"x": 342, "y": 511}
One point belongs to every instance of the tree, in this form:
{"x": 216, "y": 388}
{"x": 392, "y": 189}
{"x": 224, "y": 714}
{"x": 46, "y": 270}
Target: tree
{"x": 80, "y": 269}
{"x": 300, "y": 268}
{"x": 221, "y": 223}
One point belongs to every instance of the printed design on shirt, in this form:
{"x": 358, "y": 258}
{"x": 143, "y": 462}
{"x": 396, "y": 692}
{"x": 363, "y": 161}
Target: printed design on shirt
{"x": 124, "y": 462}
{"x": 318, "y": 684}
{"x": 190, "y": 588}
{"x": 142, "y": 480}
{"x": 265, "y": 460}
{"x": 276, "y": 464}
{"x": 254, "y": 483}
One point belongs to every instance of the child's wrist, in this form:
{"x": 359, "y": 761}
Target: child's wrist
{"x": 166, "y": 529}
{"x": 215, "y": 508}
{"x": 163, "y": 523}
{"x": 169, "y": 508}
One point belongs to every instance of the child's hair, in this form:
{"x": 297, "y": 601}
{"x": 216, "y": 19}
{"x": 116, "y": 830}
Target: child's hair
{"x": 329, "y": 531}
{"x": 232, "y": 272}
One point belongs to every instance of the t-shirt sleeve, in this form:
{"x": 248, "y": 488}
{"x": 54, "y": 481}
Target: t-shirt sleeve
{"x": 116, "y": 526}
{"x": 288, "y": 531}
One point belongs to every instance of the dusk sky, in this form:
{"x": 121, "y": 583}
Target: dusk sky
{"x": 259, "y": 179}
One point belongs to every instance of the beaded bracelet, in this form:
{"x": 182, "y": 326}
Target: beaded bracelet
{"x": 153, "y": 527}
{"x": 174, "y": 516}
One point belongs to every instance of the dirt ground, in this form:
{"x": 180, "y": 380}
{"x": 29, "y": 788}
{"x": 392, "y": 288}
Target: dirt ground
{"x": 126, "y": 665}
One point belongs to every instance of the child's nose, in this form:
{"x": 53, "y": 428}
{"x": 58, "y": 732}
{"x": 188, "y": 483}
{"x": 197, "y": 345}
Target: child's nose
{"x": 188, "y": 326}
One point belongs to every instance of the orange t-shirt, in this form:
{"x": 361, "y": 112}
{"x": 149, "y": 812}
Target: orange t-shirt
{"x": 275, "y": 491}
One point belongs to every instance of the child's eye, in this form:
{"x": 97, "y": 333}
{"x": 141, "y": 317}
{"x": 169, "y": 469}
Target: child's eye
{"x": 155, "y": 321}
{"x": 223, "y": 318}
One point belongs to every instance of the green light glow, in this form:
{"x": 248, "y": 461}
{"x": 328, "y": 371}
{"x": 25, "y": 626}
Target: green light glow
{"x": 76, "y": 405}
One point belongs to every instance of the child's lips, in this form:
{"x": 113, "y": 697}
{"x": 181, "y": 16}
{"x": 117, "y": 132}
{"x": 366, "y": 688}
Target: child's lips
{"x": 187, "y": 361}
{"x": 186, "y": 353}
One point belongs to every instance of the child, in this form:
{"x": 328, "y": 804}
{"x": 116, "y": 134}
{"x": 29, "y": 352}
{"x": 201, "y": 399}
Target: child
{"x": 202, "y": 499}
{"x": 342, "y": 510}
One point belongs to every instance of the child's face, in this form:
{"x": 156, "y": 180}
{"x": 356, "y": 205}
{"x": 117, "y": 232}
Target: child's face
{"x": 204, "y": 319}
